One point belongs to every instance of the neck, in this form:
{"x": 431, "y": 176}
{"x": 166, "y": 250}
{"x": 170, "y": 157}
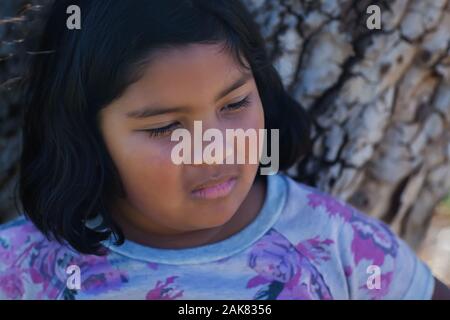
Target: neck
{"x": 245, "y": 214}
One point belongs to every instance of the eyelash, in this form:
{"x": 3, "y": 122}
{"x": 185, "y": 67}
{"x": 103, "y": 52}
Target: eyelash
{"x": 238, "y": 105}
{"x": 157, "y": 132}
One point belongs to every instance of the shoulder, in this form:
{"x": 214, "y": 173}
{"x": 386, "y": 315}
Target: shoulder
{"x": 34, "y": 267}
{"x": 309, "y": 206}
{"x": 17, "y": 233}
{"x": 31, "y": 266}
{"x": 314, "y": 211}
{"x": 358, "y": 245}
{"x": 356, "y": 236}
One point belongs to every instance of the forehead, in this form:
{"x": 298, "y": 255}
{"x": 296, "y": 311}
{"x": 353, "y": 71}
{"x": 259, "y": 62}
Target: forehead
{"x": 194, "y": 70}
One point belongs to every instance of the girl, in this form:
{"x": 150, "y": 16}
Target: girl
{"x": 103, "y": 199}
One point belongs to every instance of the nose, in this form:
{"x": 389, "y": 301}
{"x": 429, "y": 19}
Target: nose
{"x": 209, "y": 144}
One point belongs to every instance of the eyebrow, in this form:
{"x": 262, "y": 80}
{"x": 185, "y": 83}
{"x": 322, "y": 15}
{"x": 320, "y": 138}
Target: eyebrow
{"x": 154, "y": 111}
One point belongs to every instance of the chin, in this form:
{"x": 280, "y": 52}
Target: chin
{"x": 215, "y": 216}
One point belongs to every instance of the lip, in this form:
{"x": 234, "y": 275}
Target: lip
{"x": 215, "y": 188}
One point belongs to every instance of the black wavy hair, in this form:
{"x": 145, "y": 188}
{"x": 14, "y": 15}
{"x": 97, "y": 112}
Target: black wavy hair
{"x": 66, "y": 173}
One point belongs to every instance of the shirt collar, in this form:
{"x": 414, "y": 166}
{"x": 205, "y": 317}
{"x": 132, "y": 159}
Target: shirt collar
{"x": 272, "y": 207}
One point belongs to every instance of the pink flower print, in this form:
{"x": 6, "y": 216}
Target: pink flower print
{"x": 307, "y": 284}
{"x": 372, "y": 240}
{"x": 36, "y": 277}
{"x": 44, "y": 263}
{"x": 348, "y": 271}
{"x": 273, "y": 258}
{"x": 16, "y": 241}
{"x": 314, "y": 249}
{"x": 152, "y": 265}
{"x": 11, "y": 284}
{"x": 376, "y": 294}
{"x": 257, "y": 281}
{"x": 8, "y": 256}
{"x": 34, "y": 260}
{"x": 100, "y": 275}
{"x": 333, "y": 206}
{"x": 17, "y": 237}
{"x": 284, "y": 271}
{"x": 162, "y": 291}
{"x": 108, "y": 280}
{"x": 47, "y": 265}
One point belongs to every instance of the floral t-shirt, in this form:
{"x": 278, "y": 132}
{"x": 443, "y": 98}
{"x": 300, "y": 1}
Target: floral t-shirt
{"x": 304, "y": 244}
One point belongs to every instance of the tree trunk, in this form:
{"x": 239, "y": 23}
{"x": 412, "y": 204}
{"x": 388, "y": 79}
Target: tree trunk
{"x": 379, "y": 99}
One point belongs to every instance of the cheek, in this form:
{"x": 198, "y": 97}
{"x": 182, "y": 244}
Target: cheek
{"x": 146, "y": 169}
{"x": 254, "y": 117}
{"x": 259, "y": 116}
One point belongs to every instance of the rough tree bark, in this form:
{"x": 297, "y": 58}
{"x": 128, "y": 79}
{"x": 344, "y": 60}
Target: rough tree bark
{"x": 379, "y": 99}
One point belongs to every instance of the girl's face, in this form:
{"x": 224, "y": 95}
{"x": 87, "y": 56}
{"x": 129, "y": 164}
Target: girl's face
{"x": 178, "y": 87}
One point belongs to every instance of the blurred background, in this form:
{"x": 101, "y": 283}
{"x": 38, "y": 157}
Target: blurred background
{"x": 379, "y": 100}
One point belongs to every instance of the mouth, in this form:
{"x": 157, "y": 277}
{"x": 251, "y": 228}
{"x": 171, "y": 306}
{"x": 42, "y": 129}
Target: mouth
{"x": 215, "y": 189}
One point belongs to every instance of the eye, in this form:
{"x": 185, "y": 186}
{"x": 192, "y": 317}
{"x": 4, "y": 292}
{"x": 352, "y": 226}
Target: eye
{"x": 163, "y": 131}
{"x": 238, "y": 105}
